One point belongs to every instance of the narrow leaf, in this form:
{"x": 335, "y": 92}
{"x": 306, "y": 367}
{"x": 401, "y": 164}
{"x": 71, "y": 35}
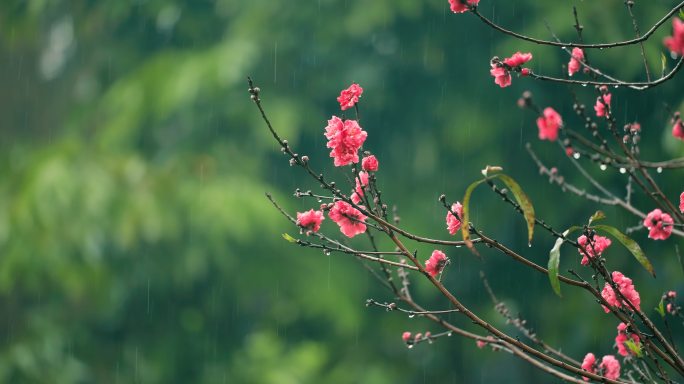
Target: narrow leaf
{"x": 465, "y": 215}
{"x": 597, "y": 216}
{"x": 554, "y": 261}
{"x": 523, "y": 201}
{"x": 633, "y": 347}
{"x": 681, "y": 14}
{"x": 679, "y": 257}
{"x": 630, "y": 244}
{"x": 289, "y": 238}
{"x": 660, "y": 308}
{"x": 663, "y": 59}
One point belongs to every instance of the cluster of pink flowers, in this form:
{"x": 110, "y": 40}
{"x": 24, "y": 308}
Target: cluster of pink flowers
{"x": 502, "y": 70}
{"x": 599, "y": 244}
{"x": 460, "y": 6}
{"x": 626, "y": 289}
{"x": 574, "y": 65}
{"x": 654, "y": 222}
{"x": 676, "y": 42}
{"x": 356, "y": 196}
{"x": 410, "y": 339}
{"x": 341, "y": 212}
{"x": 549, "y": 124}
{"x": 370, "y": 163}
{"x": 453, "y": 223}
{"x": 622, "y": 336}
{"x": 610, "y": 367}
{"x": 678, "y": 127}
{"x": 602, "y": 106}
{"x": 671, "y": 296}
{"x": 350, "y": 96}
{"x": 681, "y": 203}
{"x": 310, "y": 220}
{"x": 345, "y": 138}
{"x": 436, "y": 263}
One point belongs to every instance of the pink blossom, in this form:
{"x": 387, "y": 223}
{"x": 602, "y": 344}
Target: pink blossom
{"x": 654, "y": 222}
{"x": 549, "y": 124}
{"x": 672, "y": 295}
{"x": 481, "y": 344}
{"x": 676, "y": 42}
{"x": 501, "y": 76}
{"x": 636, "y": 127}
{"x": 370, "y": 163}
{"x": 611, "y": 367}
{"x": 427, "y": 335}
{"x": 602, "y": 107}
{"x": 460, "y": 6}
{"x": 671, "y": 309}
{"x": 599, "y": 245}
{"x": 626, "y": 289}
{"x": 589, "y": 364}
{"x": 345, "y": 139}
{"x": 678, "y": 129}
{"x": 340, "y": 214}
{"x": 356, "y": 196}
{"x": 406, "y": 336}
{"x": 623, "y": 350}
{"x": 350, "y": 96}
{"x": 525, "y": 72}
{"x": 518, "y": 59}
{"x": 435, "y": 263}
{"x": 311, "y": 219}
{"x": 681, "y": 203}
{"x": 574, "y": 65}
{"x": 569, "y": 151}
{"x": 454, "y": 224}
{"x": 418, "y": 336}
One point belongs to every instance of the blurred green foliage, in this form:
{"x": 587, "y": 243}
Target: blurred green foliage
{"x": 136, "y": 243}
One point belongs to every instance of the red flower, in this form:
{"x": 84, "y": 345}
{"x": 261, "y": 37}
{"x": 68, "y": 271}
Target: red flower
{"x": 626, "y": 289}
{"x": 611, "y": 367}
{"x": 311, "y": 219}
{"x": 549, "y": 124}
{"x": 602, "y": 106}
{"x": 671, "y": 309}
{"x": 350, "y": 96}
{"x": 341, "y": 212}
{"x": 589, "y": 364}
{"x": 406, "y": 336}
{"x": 677, "y": 130}
{"x": 436, "y": 263}
{"x": 460, "y": 6}
{"x": 599, "y": 245}
{"x": 574, "y": 65}
{"x": 676, "y": 42}
{"x": 518, "y": 59}
{"x": 654, "y": 222}
{"x": 525, "y": 72}
{"x": 622, "y": 337}
{"x": 370, "y": 163}
{"x": 681, "y": 202}
{"x": 454, "y": 224}
{"x": 672, "y": 295}
{"x": 345, "y": 139}
{"x": 501, "y": 76}
{"x": 481, "y": 344}
{"x": 356, "y": 196}
{"x": 569, "y": 151}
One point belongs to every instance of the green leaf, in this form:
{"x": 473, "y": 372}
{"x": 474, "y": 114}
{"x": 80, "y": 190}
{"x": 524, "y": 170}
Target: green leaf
{"x": 465, "y": 215}
{"x": 679, "y": 257}
{"x": 597, "y": 216}
{"x": 289, "y": 238}
{"x": 524, "y": 201}
{"x": 633, "y": 347}
{"x": 681, "y": 14}
{"x": 554, "y": 261}
{"x": 630, "y": 244}
{"x": 663, "y": 59}
{"x": 660, "y": 308}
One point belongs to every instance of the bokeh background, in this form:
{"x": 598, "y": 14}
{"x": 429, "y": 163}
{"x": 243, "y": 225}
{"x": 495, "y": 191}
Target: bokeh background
{"x": 136, "y": 244}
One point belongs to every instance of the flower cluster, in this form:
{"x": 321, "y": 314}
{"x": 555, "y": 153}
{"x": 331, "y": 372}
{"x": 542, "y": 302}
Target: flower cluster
{"x": 370, "y": 163}
{"x": 598, "y": 245}
{"x": 623, "y": 336}
{"x": 501, "y": 70}
{"x": 609, "y": 367}
{"x": 356, "y": 196}
{"x": 310, "y": 220}
{"x": 453, "y": 222}
{"x": 671, "y": 308}
{"x": 345, "y": 138}
{"x": 549, "y": 124}
{"x": 460, "y": 6}
{"x": 676, "y": 42}
{"x": 655, "y": 223}
{"x": 410, "y": 340}
{"x": 602, "y": 106}
{"x": 348, "y": 218}
{"x": 627, "y": 290}
{"x": 436, "y": 263}
{"x": 350, "y": 96}
{"x": 574, "y": 65}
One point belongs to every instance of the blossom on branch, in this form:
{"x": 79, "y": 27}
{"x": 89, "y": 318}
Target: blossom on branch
{"x": 370, "y": 163}
{"x": 481, "y": 344}
{"x": 310, "y": 220}
{"x": 454, "y": 223}
{"x": 460, "y": 6}
{"x": 589, "y": 364}
{"x": 501, "y": 70}
{"x": 678, "y": 129}
{"x": 345, "y": 138}
{"x": 602, "y": 106}
{"x": 627, "y": 290}
{"x": 343, "y": 214}
{"x": 406, "y": 336}
{"x": 655, "y": 223}
{"x": 574, "y": 65}
{"x": 681, "y": 203}
{"x": 672, "y": 295}
{"x": 676, "y": 42}
{"x": 356, "y": 196}
{"x": 622, "y": 336}
{"x": 350, "y": 96}
{"x": 436, "y": 263}
{"x": 549, "y": 124}
{"x": 502, "y": 76}
{"x": 671, "y": 309}
{"x": 610, "y": 367}
{"x": 518, "y": 59}
{"x": 599, "y": 244}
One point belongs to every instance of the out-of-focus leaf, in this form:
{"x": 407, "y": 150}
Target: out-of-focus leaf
{"x": 679, "y": 257}
{"x": 630, "y": 244}
{"x": 554, "y": 261}
{"x": 465, "y": 214}
{"x": 597, "y": 216}
{"x": 660, "y": 308}
{"x": 681, "y": 14}
{"x": 633, "y": 347}
{"x": 524, "y": 201}
{"x": 289, "y": 238}
{"x": 663, "y": 59}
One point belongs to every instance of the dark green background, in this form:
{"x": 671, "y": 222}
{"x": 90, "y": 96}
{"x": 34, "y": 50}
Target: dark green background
{"x": 136, "y": 244}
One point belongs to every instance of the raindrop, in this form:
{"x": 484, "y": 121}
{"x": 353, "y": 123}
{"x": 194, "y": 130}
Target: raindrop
{"x": 320, "y": 200}
{"x": 601, "y": 48}
{"x": 410, "y": 346}
{"x": 301, "y": 231}
{"x": 327, "y": 253}
{"x": 458, "y": 246}
{"x": 449, "y": 334}
{"x": 616, "y": 87}
{"x": 584, "y": 85}
{"x": 622, "y": 170}
{"x": 529, "y": 245}
{"x": 562, "y": 47}
{"x": 660, "y": 169}
{"x": 411, "y": 315}
{"x": 576, "y": 155}
{"x": 603, "y": 167}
